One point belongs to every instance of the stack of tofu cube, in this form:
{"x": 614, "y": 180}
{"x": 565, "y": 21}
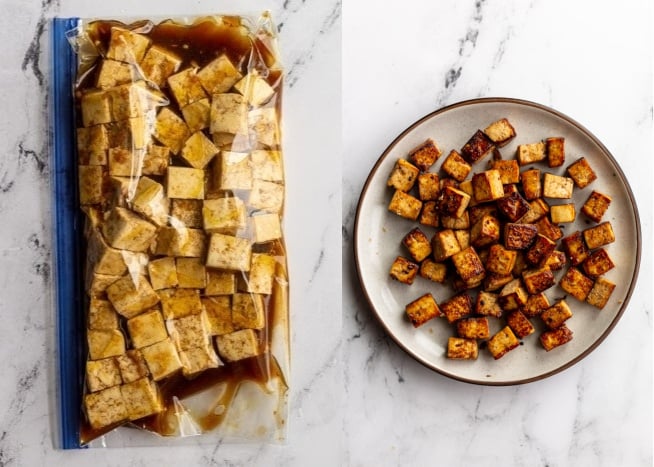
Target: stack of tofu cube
{"x": 181, "y": 179}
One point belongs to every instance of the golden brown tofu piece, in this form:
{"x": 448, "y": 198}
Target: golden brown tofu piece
{"x": 600, "y": 293}
{"x": 555, "y": 337}
{"x": 428, "y": 186}
{"x": 509, "y": 170}
{"x": 556, "y": 315}
{"x": 512, "y": 206}
{"x": 462, "y": 349}
{"x": 425, "y": 155}
{"x": 463, "y": 237}
{"x": 539, "y": 250}
{"x": 513, "y": 296}
{"x": 555, "y": 149}
{"x": 487, "y": 186}
{"x": 448, "y": 181}
{"x": 531, "y": 185}
{"x": 511, "y": 188}
{"x": 538, "y": 280}
{"x": 575, "y": 247}
{"x": 403, "y": 176}
{"x": 599, "y": 235}
{"x": 598, "y": 263}
{"x": 455, "y": 166}
{"x": 485, "y": 232}
{"x": 500, "y": 260}
{"x": 557, "y": 187}
{"x": 555, "y": 261}
{"x": 481, "y": 210}
{"x": 520, "y": 265}
{"x": 403, "y": 270}
{"x": 433, "y": 271}
{"x": 596, "y": 205}
{"x": 502, "y": 342}
{"x": 519, "y": 236}
{"x": 444, "y": 244}
{"x": 452, "y": 202}
{"x": 455, "y": 223}
{"x": 500, "y": 132}
{"x": 519, "y": 324}
{"x": 563, "y": 213}
{"x": 495, "y": 281}
{"x": 457, "y": 307}
{"x": 576, "y": 284}
{"x": 581, "y": 172}
{"x": 417, "y": 244}
{"x": 405, "y": 205}
{"x": 530, "y": 153}
{"x": 538, "y": 209}
{"x": 422, "y": 310}
{"x": 535, "y": 305}
{"x": 468, "y": 265}
{"x": 549, "y": 230}
{"x": 429, "y": 214}
{"x": 487, "y": 304}
{"x": 477, "y": 147}
{"x": 473, "y": 328}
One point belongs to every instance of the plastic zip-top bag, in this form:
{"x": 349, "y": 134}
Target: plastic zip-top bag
{"x": 171, "y": 271}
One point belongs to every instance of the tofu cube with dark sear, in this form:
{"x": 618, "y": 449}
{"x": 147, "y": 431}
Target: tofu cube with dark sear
{"x": 473, "y": 328}
{"x": 549, "y": 230}
{"x": 555, "y": 149}
{"x": 487, "y": 304}
{"x": 581, "y": 172}
{"x": 422, "y": 310}
{"x": 555, "y": 261}
{"x": 477, "y": 147}
{"x": 513, "y": 296}
{"x": 557, "y": 187}
{"x": 403, "y": 176}
{"x": 455, "y": 223}
{"x": 457, "y": 307}
{"x": 425, "y": 155}
{"x": 453, "y": 202}
{"x": 531, "y": 184}
{"x": 599, "y": 235}
{"x": 485, "y": 232}
{"x": 519, "y": 324}
{"x": 556, "y": 315}
{"x": 576, "y": 284}
{"x": 468, "y": 265}
{"x": 448, "y": 181}
{"x": 600, "y": 293}
{"x": 500, "y": 132}
{"x": 598, "y": 263}
{"x": 502, "y": 342}
{"x": 418, "y": 244}
{"x": 538, "y": 209}
{"x": 538, "y": 280}
{"x": 596, "y": 205}
{"x": 563, "y": 213}
{"x": 403, "y": 270}
{"x": 509, "y": 170}
{"x": 530, "y": 153}
{"x": 500, "y": 260}
{"x": 428, "y": 186}
{"x": 556, "y": 337}
{"x": 539, "y": 250}
{"x": 429, "y": 214}
{"x": 512, "y": 206}
{"x": 535, "y": 305}
{"x": 459, "y": 348}
{"x": 495, "y": 281}
{"x": 444, "y": 244}
{"x": 519, "y": 236}
{"x": 487, "y": 186}
{"x": 433, "y": 271}
{"x": 455, "y": 166}
{"x": 405, "y": 205}
{"x": 510, "y": 189}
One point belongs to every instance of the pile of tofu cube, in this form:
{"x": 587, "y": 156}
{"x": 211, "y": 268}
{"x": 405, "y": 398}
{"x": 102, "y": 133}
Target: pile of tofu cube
{"x": 181, "y": 179}
{"x": 497, "y": 233}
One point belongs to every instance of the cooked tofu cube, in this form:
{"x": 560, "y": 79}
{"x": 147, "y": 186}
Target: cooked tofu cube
{"x": 90, "y": 184}
{"x": 468, "y": 265}
{"x": 500, "y": 132}
{"x": 512, "y": 206}
{"x": 102, "y": 374}
{"x": 457, "y": 307}
{"x": 102, "y": 315}
{"x": 267, "y": 196}
{"x": 127, "y": 46}
{"x": 155, "y": 160}
{"x": 417, "y": 244}
{"x": 218, "y": 311}
{"x": 429, "y": 214}
{"x": 599, "y": 235}
{"x": 444, "y": 244}
{"x": 513, "y": 296}
{"x": 189, "y": 331}
{"x": 596, "y": 205}
{"x": 455, "y": 223}
{"x": 405, "y": 205}
{"x": 477, "y": 147}
{"x": 466, "y": 187}
{"x": 510, "y": 189}
{"x": 229, "y": 114}
{"x": 113, "y": 73}
{"x": 581, "y": 172}
{"x": 162, "y": 359}
{"x": 463, "y": 237}
{"x": 485, "y": 232}
{"x": 132, "y": 366}
{"x": 125, "y": 162}
{"x": 146, "y": 329}
{"x": 521, "y": 264}
{"x": 535, "y": 305}
{"x": 131, "y": 296}
{"x": 576, "y": 284}
{"x": 171, "y": 130}
{"x": 575, "y": 247}
{"x": 539, "y": 250}
{"x": 500, "y": 260}
{"x": 433, "y": 271}
{"x": 238, "y": 345}
{"x": 538, "y": 209}
{"x": 158, "y": 64}
{"x": 509, "y": 170}
{"x": 555, "y": 186}
{"x": 141, "y": 398}
{"x": 422, "y": 309}
{"x": 220, "y": 283}
{"x": 538, "y": 280}
{"x": 598, "y": 263}
{"x": 230, "y": 253}
{"x": 549, "y": 230}
{"x": 519, "y": 324}
{"x": 448, "y": 181}
{"x": 186, "y": 212}
{"x": 481, "y": 210}
{"x": 261, "y": 277}
{"x": 530, "y": 153}
{"x": 184, "y": 182}
{"x": 232, "y": 171}
{"x": 254, "y": 88}
{"x": 266, "y": 227}
{"x": 487, "y": 186}
{"x": 178, "y": 303}
{"x": 92, "y": 145}
{"x": 267, "y": 165}
{"x": 105, "y": 408}
{"x": 425, "y": 155}
{"x": 453, "y": 202}
{"x": 555, "y": 337}
{"x": 191, "y": 273}
{"x": 150, "y": 201}
{"x": 197, "y": 115}
{"x": 219, "y": 75}
{"x": 105, "y": 343}
{"x": 96, "y": 108}
{"x": 487, "y": 304}
{"x": 403, "y": 176}
{"x": 198, "y": 150}
{"x": 456, "y": 166}
{"x": 555, "y": 261}
{"x": 600, "y": 293}
{"x": 459, "y": 348}
{"x": 531, "y": 184}
{"x": 198, "y": 359}
{"x": 555, "y": 149}
{"x": 185, "y": 87}
{"x": 180, "y": 241}
{"x": 264, "y": 125}
{"x": 428, "y": 186}
{"x": 556, "y": 315}
{"x": 495, "y": 281}
{"x": 224, "y": 215}
{"x": 403, "y": 270}
{"x": 563, "y": 213}
{"x": 473, "y": 328}
{"x": 502, "y": 342}
{"x": 125, "y": 230}
{"x": 519, "y": 236}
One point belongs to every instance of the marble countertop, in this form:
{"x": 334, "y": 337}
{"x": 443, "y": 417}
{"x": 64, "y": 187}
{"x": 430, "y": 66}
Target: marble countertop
{"x": 356, "y": 397}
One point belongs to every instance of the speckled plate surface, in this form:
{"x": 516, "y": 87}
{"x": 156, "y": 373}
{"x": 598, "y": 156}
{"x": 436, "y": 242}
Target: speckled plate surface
{"x": 378, "y": 234}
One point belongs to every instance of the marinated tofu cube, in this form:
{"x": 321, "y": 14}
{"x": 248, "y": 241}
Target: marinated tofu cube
{"x": 403, "y": 270}
{"x": 487, "y": 304}
{"x": 519, "y": 324}
{"x": 596, "y": 205}
{"x": 502, "y": 342}
{"x": 162, "y": 359}
{"x": 233, "y": 171}
{"x": 513, "y": 206}
{"x": 141, "y": 398}
{"x": 456, "y": 166}
{"x": 459, "y": 348}
{"x": 102, "y": 374}
{"x": 171, "y": 130}
{"x": 598, "y": 263}
{"x": 155, "y": 160}
{"x": 191, "y": 273}
{"x": 180, "y": 241}
{"x": 127, "y": 46}
{"x": 105, "y": 343}
{"x": 422, "y": 309}
{"x": 556, "y": 315}
{"x": 530, "y": 153}
{"x": 125, "y": 230}
{"x": 261, "y": 277}
{"x": 130, "y": 133}
{"x": 198, "y": 150}
{"x": 219, "y": 75}
{"x": 198, "y": 359}
{"x": 500, "y": 260}
{"x": 189, "y": 331}
{"x": 405, "y": 205}
{"x": 185, "y": 183}
{"x": 158, "y": 64}
{"x": 539, "y": 250}
{"x": 549, "y": 230}
{"x": 575, "y": 247}
{"x": 535, "y": 305}
{"x": 457, "y": 307}
{"x": 581, "y": 172}
{"x": 264, "y": 125}
{"x": 599, "y": 235}
{"x": 500, "y": 132}
{"x": 555, "y": 337}
{"x": 113, "y": 73}
{"x": 509, "y": 170}
{"x": 197, "y": 115}
{"x": 433, "y": 271}
{"x": 218, "y": 311}
{"x": 146, "y": 329}
{"x": 538, "y": 209}
{"x": 131, "y": 295}
{"x": 473, "y": 328}
{"x": 186, "y": 212}
{"x": 125, "y": 162}
{"x": 185, "y": 87}
{"x": 403, "y": 176}
{"x": 487, "y": 186}
{"x": 555, "y": 261}
{"x": 576, "y": 284}
{"x": 555, "y": 149}
{"x": 444, "y": 244}
{"x": 519, "y": 236}
{"x": 92, "y": 145}
{"x": 538, "y": 280}
{"x": 555, "y": 186}
{"x": 96, "y": 284}
{"x": 455, "y": 223}
{"x": 266, "y": 227}
{"x": 178, "y": 303}
{"x": 531, "y": 185}
{"x": 513, "y": 296}
{"x": 230, "y": 253}
{"x": 224, "y": 215}
{"x": 90, "y": 184}
{"x": 102, "y": 315}
{"x": 494, "y": 281}
{"x": 105, "y": 408}
{"x": 229, "y": 114}
{"x": 267, "y": 165}
{"x": 132, "y": 366}
{"x": 220, "y": 283}
{"x": 96, "y": 108}
{"x": 131, "y": 100}
{"x": 150, "y": 201}
{"x": 254, "y": 88}
{"x": 425, "y": 155}
{"x": 477, "y": 147}
{"x": 468, "y": 265}
{"x": 238, "y": 345}
{"x": 563, "y": 213}
{"x": 428, "y": 186}
{"x": 600, "y": 293}
{"x": 429, "y": 214}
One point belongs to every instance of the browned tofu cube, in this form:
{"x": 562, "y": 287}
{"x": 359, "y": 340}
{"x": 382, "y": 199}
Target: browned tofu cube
{"x": 468, "y": 265}
{"x": 495, "y": 281}
{"x": 425, "y": 155}
{"x": 481, "y": 210}
{"x": 502, "y": 342}
{"x": 549, "y": 230}
{"x": 403, "y": 270}
{"x": 477, "y": 147}
{"x": 555, "y": 149}
{"x": 576, "y": 284}
{"x": 457, "y": 307}
{"x": 513, "y": 296}
{"x": 487, "y": 304}
{"x": 500, "y": 132}
{"x": 466, "y": 187}
{"x": 519, "y": 236}
{"x": 429, "y": 214}
{"x": 535, "y": 305}
{"x": 487, "y": 186}
{"x": 575, "y": 247}
{"x": 463, "y": 237}
{"x": 403, "y": 176}
{"x": 530, "y": 153}
{"x": 455, "y": 223}
{"x": 512, "y": 206}
{"x": 538, "y": 280}
{"x": 418, "y": 244}
{"x": 452, "y": 202}
{"x": 581, "y": 172}
{"x": 459, "y": 348}
{"x": 511, "y": 188}
{"x": 599, "y": 235}
{"x": 596, "y": 205}
{"x": 563, "y": 213}
{"x": 500, "y": 260}
{"x": 433, "y": 271}
{"x": 555, "y": 337}
{"x": 405, "y": 205}
{"x": 448, "y": 181}
{"x": 538, "y": 209}
{"x": 428, "y": 186}
{"x": 455, "y": 166}
{"x": 422, "y": 310}
{"x": 531, "y": 185}
{"x": 598, "y": 263}
{"x": 485, "y": 232}
{"x": 557, "y": 187}
{"x": 600, "y": 293}
{"x": 473, "y": 328}
{"x": 444, "y": 244}
{"x": 539, "y": 250}
{"x": 520, "y": 265}
{"x": 509, "y": 170}
{"x": 555, "y": 261}
{"x": 519, "y": 324}
{"x": 556, "y": 315}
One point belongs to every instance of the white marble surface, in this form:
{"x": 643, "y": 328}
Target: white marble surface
{"x": 591, "y": 61}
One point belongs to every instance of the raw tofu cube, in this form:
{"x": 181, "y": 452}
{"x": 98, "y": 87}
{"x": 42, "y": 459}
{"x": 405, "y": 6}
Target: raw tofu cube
{"x": 425, "y": 155}
{"x": 158, "y": 64}
{"x": 220, "y": 283}
{"x": 555, "y": 149}
{"x": 453, "y": 202}
{"x": 598, "y": 263}
{"x": 189, "y": 332}
{"x": 186, "y": 212}
{"x": 185, "y": 183}
{"x": 531, "y": 185}
{"x": 455, "y": 223}
{"x": 267, "y": 165}
{"x": 224, "y": 215}
{"x": 90, "y": 184}
{"x": 162, "y": 359}
{"x": 96, "y": 108}
{"x": 155, "y": 160}
{"x": 92, "y": 145}
{"x": 105, "y": 408}
{"x": 113, "y": 73}
{"x": 500, "y": 260}
{"x": 473, "y": 328}
{"x": 178, "y": 303}
{"x": 266, "y": 227}
{"x": 146, "y": 329}
{"x": 539, "y": 250}
{"x": 191, "y": 273}
{"x": 218, "y": 311}
{"x": 238, "y": 345}
{"x": 549, "y": 230}
{"x": 468, "y": 265}
{"x": 180, "y": 241}
{"x": 264, "y": 125}
{"x": 563, "y": 213}
{"x": 229, "y": 114}
{"x": 131, "y": 296}
{"x": 141, "y": 398}
{"x": 596, "y": 205}
{"x": 487, "y": 304}
{"x": 462, "y": 349}
{"x": 185, "y": 87}
{"x": 519, "y": 236}
{"x": 556, "y": 337}
{"x": 535, "y": 305}
{"x": 509, "y": 170}
{"x": 150, "y": 201}
{"x": 444, "y": 244}
{"x": 556, "y": 315}
{"x": 530, "y": 153}
{"x": 267, "y": 196}
{"x": 502, "y": 342}
{"x": 219, "y": 75}
{"x": 477, "y": 147}
{"x": 105, "y": 343}
{"x": 538, "y": 280}
{"x": 198, "y": 150}
{"x": 456, "y": 166}
{"x": 248, "y": 311}
{"x": 512, "y": 206}
{"x": 519, "y": 324}
{"x": 487, "y": 186}
{"x": 428, "y": 186}
{"x": 575, "y": 247}
{"x": 576, "y": 284}
{"x": 417, "y": 244}
{"x": 232, "y": 171}
{"x": 197, "y": 115}
{"x": 581, "y": 172}
{"x": 171, "y": 130}
{"x": 262, "y": 274}
{"x": 405, "y": 205}
{"x": 198, "y": 359}
{"x": 513, "y": 296}
{"x": 227, "y": 252}
{"x": 125, "y": 162}
{"x": 132, "y": 366}
{"x": 127, "y": 46}
{"x": 433, "y": 271}
{"x": 538, "y": 209}
{"x": 500, "y": 132}
{"x": 457, "y": 307}
{"x": 102, "y": 315}
{"x": 421, "y": 310}
{"x": 429, "y": 214}
{"x": 403, "y": 270}
{"x": 600, "y": 293}
{"x": 102, "y": 374}
{"x": 125, "y": 230}
{"x": 557, "y": 187}
{"x": 599, "y": 235}
{"x": 254, "y": 88}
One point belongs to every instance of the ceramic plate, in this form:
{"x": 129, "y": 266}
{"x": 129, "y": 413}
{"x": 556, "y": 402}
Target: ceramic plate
{"x": 378, "y": 235}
